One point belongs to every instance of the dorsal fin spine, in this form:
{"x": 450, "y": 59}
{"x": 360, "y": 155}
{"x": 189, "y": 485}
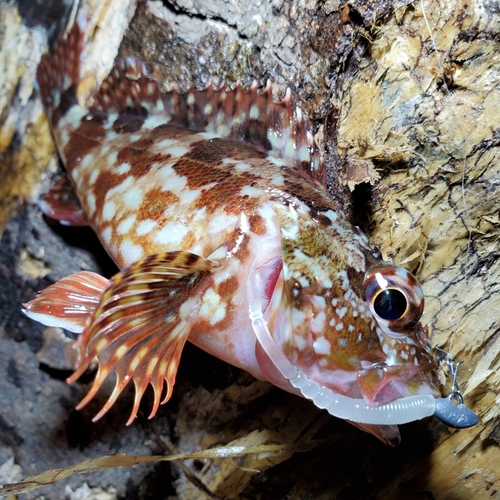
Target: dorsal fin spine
{"x": 279, "y": 129}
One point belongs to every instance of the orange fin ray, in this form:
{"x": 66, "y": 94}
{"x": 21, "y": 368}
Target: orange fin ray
{"x": 160, "y": 368}
{"x": 141, "y": 359}
{"x": 113, "y": 353}
{"x": 70, "y": 302}
{"x": 139, "y": 328}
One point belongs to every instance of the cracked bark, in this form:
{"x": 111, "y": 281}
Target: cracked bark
{"x": 394, "y": 93}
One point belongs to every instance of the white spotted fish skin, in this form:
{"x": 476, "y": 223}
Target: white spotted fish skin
{"x": 216, "y": 199}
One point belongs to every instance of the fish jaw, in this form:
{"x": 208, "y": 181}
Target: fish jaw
{"x": 409, "y": 369}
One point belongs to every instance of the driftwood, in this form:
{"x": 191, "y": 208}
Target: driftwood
{"x": 405, "y": 98}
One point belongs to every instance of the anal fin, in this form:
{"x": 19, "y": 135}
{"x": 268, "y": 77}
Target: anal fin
{"x": 61, "y": 204}
{"x": 141, "y": 325}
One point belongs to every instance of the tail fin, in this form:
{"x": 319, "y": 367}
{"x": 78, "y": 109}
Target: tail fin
{"x": 59, "y": 71}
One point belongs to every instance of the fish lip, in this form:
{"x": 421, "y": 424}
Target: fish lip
{"x": 397, "y": 382}
{"x": 401, "y": 377}
{"x": 424, "y": 387}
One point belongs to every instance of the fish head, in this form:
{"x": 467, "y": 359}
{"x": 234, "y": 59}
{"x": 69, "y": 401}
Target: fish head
{"x": 346, "y": 319}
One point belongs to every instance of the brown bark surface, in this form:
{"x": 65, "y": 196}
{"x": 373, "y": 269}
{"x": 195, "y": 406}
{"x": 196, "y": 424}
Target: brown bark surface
{"x": 405, "y": 100}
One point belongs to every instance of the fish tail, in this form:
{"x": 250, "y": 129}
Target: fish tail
{"x": 59, "y": 72}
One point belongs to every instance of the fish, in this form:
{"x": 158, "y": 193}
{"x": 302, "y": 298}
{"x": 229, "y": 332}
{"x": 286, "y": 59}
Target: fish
{"x": 213, "y": 204}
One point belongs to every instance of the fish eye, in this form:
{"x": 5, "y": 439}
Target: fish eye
{"x": 394, "y": 296}
{"x": 390, "y": 304}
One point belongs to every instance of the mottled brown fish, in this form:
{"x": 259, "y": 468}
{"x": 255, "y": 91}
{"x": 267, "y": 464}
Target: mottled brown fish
{"x": 213, "y": 204}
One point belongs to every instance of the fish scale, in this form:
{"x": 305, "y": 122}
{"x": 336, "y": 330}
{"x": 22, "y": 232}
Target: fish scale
{"x": 213, "y": 204}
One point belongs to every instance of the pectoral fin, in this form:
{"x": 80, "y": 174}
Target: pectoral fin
{"x": 139, "y": 325}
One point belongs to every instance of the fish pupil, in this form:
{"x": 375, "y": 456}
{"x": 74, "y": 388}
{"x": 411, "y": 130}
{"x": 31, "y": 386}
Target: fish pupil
{"x": 390, "y": 304}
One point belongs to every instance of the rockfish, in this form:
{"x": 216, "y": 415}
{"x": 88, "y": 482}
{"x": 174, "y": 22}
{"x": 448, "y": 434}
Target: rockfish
{"x": 213, "y": 204}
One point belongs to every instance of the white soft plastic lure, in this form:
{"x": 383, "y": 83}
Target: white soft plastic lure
{"x": 213, "y": 204}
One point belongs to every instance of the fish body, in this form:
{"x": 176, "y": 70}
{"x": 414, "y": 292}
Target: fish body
{"x": 213, "y": 204}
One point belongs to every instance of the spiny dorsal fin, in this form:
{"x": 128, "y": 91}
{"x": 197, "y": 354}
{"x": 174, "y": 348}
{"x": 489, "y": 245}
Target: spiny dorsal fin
{"x": 278, "y": 128}
{"x": 127, "y": 88}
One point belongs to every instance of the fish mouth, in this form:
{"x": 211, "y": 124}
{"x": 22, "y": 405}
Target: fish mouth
{"x": 409, "y": 369}
{"x": 404, "y": 409}
{"x": 382, "y": 385}
{"x": 383, "y": 382}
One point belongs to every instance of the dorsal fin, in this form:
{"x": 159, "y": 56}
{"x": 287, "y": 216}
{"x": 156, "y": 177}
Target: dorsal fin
{"x": 128, "y": 89}
{"x": 280, "y": 129}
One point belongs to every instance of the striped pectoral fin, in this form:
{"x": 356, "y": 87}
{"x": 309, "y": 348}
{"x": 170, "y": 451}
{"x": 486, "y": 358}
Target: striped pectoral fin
{"x": 141, "y": 325}
{"x": 62, "y": 204}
